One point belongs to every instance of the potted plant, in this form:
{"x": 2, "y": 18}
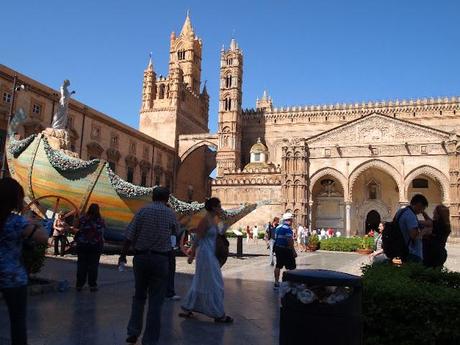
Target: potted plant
{"x": 366, "y": 245}
{"x": 313, "y": 243}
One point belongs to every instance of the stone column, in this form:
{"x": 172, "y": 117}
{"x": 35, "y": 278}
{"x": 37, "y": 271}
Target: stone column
{"x": 310, "y": 208}
{"x": 348, "y": 219}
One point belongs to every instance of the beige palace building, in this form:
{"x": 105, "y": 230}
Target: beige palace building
{"x": 345, "y": 166}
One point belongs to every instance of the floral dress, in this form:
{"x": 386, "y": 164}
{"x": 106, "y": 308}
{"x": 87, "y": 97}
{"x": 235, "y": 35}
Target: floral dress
{"x": 206, "y": 295}
{"x": 12, "y": 271}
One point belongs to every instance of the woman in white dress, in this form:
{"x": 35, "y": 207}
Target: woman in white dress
{"x": 206, "y": 295}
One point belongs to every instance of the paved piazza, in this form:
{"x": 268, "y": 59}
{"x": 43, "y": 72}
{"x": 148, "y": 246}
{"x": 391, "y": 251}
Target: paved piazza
{"x": 72, "y": 318}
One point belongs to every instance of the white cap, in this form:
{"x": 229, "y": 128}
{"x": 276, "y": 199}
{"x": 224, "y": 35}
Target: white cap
{"x": 287, "y": 216}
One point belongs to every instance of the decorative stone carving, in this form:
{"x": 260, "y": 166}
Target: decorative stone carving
{"x": 378, "y": 129}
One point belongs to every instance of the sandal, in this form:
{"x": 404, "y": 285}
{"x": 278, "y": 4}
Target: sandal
{"x": 224, "y": 319}
{"x": 186, "y": 314}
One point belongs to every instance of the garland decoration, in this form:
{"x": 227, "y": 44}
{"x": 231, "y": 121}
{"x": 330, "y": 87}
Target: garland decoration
{"x": 16, "y": 147}
{"x": 61, "y": 162}
{"x": 185, "y": 208}
{"x": 125, "y": 188}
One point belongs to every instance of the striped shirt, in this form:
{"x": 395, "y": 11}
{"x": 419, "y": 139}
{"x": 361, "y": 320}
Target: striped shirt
{"x": 283, "y": 233}
{"x": 152, "y": 227}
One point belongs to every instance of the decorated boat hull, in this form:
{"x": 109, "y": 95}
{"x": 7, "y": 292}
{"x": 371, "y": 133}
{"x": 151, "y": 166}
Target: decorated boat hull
{"x": 44, "y": 171}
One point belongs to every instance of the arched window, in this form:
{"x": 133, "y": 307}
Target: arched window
{"x": 228, "y": 104}
{"x": 181, "y": 55}
{"x": 162, "y": 91}
{"x": 228, "y": 81}
{"x": 229, "y": 61}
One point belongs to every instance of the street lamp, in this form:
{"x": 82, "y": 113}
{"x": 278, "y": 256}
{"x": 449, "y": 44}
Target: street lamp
{"x": 16, "y": 87}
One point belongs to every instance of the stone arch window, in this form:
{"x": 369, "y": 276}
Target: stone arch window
{"x": 161, "y": 93}
{"x": 131, "y": 163}
{"x": 226, "y": 137}
{"x": 181, "y": 54}
{"x": 228, "y": 81}
{"x": 114, "y": 140}
{"x": 229, "y": 61}
{"x": 228, "y": 104}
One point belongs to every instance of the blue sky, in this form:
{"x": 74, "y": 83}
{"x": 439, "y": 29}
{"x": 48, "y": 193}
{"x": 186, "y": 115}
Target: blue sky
{"x": 302, "y": 52}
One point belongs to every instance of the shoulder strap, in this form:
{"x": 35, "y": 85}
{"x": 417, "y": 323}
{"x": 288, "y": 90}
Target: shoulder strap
{"x": 32, "y": 232}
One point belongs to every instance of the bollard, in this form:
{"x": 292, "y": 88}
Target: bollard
{"x": 239, "y": 246}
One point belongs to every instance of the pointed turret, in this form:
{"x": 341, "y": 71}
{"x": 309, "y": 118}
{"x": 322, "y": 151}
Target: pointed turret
{"x": 233, "y": 45}
{"x": 148, "y": 86}
{"x": 265, "y": 103}
{"x": 187, "y": 28}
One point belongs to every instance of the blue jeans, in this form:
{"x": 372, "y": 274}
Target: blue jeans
{"x": 16, "y": 300}
{"x": 150, "y": 277}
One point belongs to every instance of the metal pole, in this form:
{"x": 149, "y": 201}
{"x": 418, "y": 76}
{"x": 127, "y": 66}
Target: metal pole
{"x": 4, "y": 172}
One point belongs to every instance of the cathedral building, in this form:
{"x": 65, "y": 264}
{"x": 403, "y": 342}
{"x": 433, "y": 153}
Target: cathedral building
{"x": 345, "y": 166}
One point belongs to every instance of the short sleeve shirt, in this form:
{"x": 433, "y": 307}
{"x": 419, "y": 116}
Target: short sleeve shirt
{"x": 407, "y": 222}
{"x": 152, "y": 227}
{"x": 12, "y": 271}
{"x": 283, "y": 234}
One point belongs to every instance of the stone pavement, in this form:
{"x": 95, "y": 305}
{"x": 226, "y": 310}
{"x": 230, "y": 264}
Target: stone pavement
{"x": 100, "y": 318}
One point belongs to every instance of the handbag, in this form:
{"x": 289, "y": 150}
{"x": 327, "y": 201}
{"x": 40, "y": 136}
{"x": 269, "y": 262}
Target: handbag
{"x": 222, "y": 249}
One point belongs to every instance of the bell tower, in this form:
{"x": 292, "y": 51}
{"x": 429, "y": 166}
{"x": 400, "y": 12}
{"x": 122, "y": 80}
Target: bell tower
{"x": 230, "y": 101}
{"x": 185, "y": 50}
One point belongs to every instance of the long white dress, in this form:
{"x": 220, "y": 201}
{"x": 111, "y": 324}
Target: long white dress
{"x": 206, "y": 295}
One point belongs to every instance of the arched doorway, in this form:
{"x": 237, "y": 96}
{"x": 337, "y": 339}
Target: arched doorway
{"x": 373, "y": 189}
{"x": 328, "y": 204}
{"x": 372, "y": 221}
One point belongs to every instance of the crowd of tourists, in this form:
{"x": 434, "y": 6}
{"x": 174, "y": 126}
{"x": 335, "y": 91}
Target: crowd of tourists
{"x": 154, "y": 256}
{"x": 423, "y": 240}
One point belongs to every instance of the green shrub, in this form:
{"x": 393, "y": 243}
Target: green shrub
{"x": 347, "y": 244}
{"x": 410, "y": 305}
{"x": 313, "y": 242}
{"x": 34, "y": 259}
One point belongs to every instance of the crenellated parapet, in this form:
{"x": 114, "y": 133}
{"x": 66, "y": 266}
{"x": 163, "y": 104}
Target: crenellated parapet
{"x": 343, "y": 111}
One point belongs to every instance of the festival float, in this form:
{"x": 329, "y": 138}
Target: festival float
{"x": 56, "y": 180}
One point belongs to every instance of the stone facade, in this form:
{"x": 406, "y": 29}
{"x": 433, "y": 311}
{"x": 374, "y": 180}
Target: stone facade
{"x": 347, "y": 166}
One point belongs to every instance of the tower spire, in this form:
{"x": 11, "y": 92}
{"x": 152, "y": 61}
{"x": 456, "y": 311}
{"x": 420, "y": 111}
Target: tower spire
{"x": 150, "y": 64}
{"x": 187, "y": 28}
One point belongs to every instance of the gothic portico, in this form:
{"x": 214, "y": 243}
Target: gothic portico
{"x": 360, "y": 173}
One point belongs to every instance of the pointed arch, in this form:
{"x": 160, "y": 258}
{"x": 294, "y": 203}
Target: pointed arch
{"x": 433, "y": 173}
{"x": 331, "y": 172}
{"x": 380, "y": 165}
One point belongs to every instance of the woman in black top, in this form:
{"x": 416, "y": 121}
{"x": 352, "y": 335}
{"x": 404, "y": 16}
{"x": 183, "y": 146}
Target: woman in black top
{"x": 434, "y": 245}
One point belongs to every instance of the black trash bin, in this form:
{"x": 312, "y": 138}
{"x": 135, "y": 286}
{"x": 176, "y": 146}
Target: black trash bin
{"x": 239, "y": 246}
{"x": 322, "y": 321}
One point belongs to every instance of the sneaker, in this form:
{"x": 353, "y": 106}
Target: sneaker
{"x": 132, "y": 339}
{"x": 276, "y": 286}
{"x": 174, "y": 298}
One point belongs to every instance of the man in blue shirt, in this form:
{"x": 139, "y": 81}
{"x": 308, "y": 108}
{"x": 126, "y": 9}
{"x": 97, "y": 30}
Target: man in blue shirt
{"x": 284, "y": 247}
{"x": 411, "y": 228}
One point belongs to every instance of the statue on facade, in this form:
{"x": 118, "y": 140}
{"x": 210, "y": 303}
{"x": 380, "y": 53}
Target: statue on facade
{"x": 61, "y": 116}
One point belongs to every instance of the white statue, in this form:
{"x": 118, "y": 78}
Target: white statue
{"x": 61, "y": 116}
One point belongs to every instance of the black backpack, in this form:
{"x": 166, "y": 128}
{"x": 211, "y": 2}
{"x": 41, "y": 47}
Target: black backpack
{"x": 393, "y": 243}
